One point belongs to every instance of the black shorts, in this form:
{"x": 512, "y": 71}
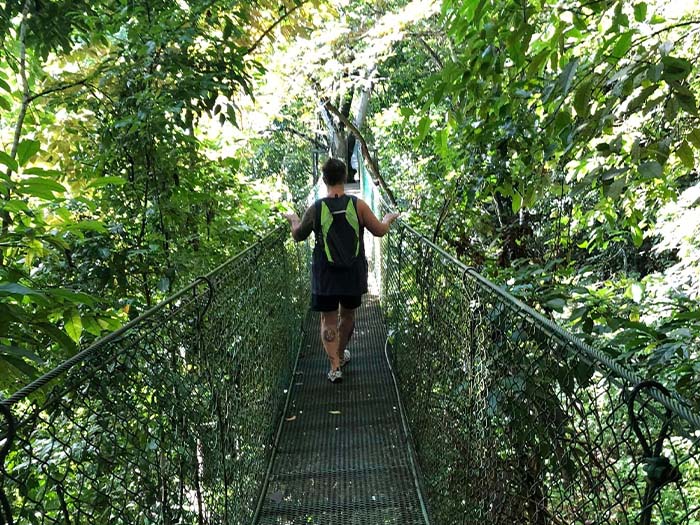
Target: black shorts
{"x": 329, "y": 303}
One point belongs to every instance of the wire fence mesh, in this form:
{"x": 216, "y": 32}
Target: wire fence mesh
{"x": 515, "y": 421}
{"x": 170, "y": 419}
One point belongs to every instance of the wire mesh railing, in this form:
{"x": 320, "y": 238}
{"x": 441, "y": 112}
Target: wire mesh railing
{"x": 171, "y": 419}
{"x": 514, "y": 420}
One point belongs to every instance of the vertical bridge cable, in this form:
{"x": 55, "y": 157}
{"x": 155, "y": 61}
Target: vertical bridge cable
{"x": 210, "y": 297}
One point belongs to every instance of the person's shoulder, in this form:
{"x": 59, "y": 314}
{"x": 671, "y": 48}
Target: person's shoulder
{"x": 362, "y": 206}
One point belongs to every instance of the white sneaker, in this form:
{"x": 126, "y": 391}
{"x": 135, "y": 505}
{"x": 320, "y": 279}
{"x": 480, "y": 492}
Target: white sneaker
{"x": 335, "y": 376}
{"x": 346, "y": 358}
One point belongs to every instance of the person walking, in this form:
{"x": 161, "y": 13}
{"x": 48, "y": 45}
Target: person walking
{"x": 339, "y": 265}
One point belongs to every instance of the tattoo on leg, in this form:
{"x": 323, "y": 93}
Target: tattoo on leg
{"x": 329, "y": 335}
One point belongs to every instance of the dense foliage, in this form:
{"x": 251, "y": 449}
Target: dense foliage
{"x": 111, "y": 192}
{"x": 552, "y": 145}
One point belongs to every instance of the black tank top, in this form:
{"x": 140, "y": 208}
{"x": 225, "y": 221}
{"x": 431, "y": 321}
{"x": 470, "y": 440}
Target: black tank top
{"x": 328, "y": 280}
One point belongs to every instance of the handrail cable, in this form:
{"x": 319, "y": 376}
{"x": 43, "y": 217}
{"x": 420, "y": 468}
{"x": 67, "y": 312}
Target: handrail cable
{"x": 112, "y": 336}
{"x": 677, "y": 404}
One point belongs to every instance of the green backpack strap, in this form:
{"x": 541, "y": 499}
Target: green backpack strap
{"x": 326, "y": 221}
{"x": 351, "y": 217}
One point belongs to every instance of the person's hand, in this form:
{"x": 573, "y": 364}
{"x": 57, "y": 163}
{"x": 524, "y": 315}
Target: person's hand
{"x": 291, "y": 217}
{"x": 390, "y": 217}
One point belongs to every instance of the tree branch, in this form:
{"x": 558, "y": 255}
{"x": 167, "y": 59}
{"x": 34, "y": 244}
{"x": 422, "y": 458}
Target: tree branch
{"x": 7, "y": 194}
{"x": 371, "y": 163}
{"x": 293, "y": 131}
{"x": 431, "y": 52}
{"x": 56, "y": 89}
{"x": 272, "y": 27}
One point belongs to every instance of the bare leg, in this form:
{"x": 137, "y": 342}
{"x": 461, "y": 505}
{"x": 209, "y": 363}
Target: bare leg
{"x": 345, "y": 329}
{"x": 329, "y": 337}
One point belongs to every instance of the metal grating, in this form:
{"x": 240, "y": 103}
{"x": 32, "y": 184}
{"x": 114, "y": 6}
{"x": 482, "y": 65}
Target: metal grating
{"x": 343, "y": 455}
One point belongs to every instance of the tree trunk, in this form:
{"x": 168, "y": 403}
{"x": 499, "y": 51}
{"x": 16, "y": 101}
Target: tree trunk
{"x": 7, "y": 194}
{"x": 342, "y": 143}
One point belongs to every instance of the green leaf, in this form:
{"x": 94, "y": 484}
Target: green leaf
{"x": 479, "y": 10}
{"x": 516, "y": 202}
{"x": 671, "y": 109}
{"x": 620, "y": 19}
{"x": 557, "y": 304}
{"x": 40, "y": 187}
{"x": 567, "y": 76}
{"x": 164, "y": 284}
{"x": 531, "y": 196}
{"x": 578, "y": 313}
{"x": 20, "y": 352}
{"x": 685, "y": 153}
{"x": 612, "y": 173}
{"x": 22, "y": 366}
{"x": 613, "y": 190}
{"x": 537, "y": 61}
{"x": 5, "y": 86}
{"x": 14, "y": 206}
{"x": 87, "y": 225}
{"x": 694, "y": 138}
{"x": 36, "y": 170}
{"x": 26, "y": 150}
{"x": 623, "y": 44}
{"x": 688, "y": 315}
{"x": 640, "y": 12}
{"x": 675, "y": 68}
{"x": 91, "y": 326}
{"x": 423, "y": 127}
{"x": 582, "y": 99}
{"x": 650, "y": 170}
{"x": 654, "y": 72}
{"x": 5, "y": 104}
{"x": 637, "y": 235}
{"x": 638, "y": 101}
{"x": 72, "y": 324}
{"x": 635, "y": 291}
{"x": 687, "y": 102}
{"x": 71, "y": 296}
{"x": 8, "y": 161}
{"x": 562, "y": 120}
{"x": 56, "y": 335}
{"x": 17, "y": 289}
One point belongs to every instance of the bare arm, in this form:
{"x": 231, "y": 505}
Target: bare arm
{"x": 301, "y": 228}
{"x": 369, "y": 220}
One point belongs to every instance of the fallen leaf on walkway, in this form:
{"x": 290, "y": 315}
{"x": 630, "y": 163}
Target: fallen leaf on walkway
{"x": 334, "y": 412}
{"x": 290, "y": 418}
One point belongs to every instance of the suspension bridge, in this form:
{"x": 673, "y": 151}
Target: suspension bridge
{"x": 461, "y": 405}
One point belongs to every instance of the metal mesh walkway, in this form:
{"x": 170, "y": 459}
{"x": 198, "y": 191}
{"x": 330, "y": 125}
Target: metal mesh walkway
{"x": 343, "y": 456}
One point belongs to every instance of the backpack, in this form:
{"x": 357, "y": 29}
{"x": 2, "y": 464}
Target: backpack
{"x": 339, "y": 231}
